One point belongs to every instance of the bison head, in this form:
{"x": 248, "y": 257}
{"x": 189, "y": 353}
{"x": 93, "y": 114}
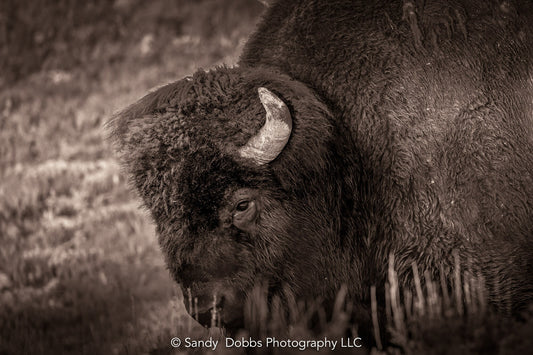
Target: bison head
{"x": 240, "y": 171}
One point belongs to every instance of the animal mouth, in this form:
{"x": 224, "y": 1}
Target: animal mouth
{"x": 219, "y": 319}
{"x": 207, "y": 316}
{"x": 207, "y": 319}
{"x": 221, "y": 316}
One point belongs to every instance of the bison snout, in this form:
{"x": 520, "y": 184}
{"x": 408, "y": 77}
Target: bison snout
{"x": 211, "y": 305}
{"x": 204, "y": 308}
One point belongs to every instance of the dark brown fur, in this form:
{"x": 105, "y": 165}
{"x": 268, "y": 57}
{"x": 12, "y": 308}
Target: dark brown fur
{"x": 412, "y": 135}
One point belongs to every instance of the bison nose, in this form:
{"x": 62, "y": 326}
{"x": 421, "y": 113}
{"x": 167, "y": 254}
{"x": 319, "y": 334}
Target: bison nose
{"x": 206, "y": 300}
{"x": 202, "y": 309}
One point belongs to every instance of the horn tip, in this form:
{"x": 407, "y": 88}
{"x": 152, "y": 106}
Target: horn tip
{"x": 268, "y": 98}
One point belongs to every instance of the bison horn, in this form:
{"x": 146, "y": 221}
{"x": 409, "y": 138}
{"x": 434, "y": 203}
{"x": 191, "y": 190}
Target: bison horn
{"x": 266, "y": 145}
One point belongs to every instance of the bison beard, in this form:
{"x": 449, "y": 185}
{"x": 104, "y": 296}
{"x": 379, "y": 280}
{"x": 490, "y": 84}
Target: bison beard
{"x": 350, "y": 131}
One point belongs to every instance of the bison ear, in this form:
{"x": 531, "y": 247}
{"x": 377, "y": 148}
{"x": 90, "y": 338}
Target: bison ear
{"x": 268, "y": 143}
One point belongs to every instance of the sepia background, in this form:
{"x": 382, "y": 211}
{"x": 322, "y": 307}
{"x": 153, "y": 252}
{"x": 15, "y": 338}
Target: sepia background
{"x": 80, "y": 268}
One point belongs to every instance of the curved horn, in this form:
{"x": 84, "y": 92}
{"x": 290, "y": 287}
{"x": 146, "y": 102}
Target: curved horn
{"x": 266, "y": 145}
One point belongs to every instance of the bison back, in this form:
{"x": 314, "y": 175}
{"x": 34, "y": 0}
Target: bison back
{"x": 438, "y": 101}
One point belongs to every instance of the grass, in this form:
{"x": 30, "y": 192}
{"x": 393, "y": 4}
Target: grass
{"x": 80, "y": 268}
{"x": 450, "y": 315}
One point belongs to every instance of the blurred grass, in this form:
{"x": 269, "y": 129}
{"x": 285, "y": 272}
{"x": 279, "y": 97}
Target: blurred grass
{"x": 80, "y": 268}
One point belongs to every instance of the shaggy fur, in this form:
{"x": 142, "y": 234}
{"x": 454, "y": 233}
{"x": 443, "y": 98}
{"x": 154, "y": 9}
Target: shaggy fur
{"x": 412, "y": 135}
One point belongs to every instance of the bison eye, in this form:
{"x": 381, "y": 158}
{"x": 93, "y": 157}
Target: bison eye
{"x": 242, "y": 206}
{"x": 245, "y": 214}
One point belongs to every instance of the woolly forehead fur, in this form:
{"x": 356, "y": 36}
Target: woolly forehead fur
{"x": 209, "y": 107}
{"x": 198, "y": 123}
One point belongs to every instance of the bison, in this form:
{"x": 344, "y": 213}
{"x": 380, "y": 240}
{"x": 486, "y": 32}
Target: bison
{"x": 349, "y": 131}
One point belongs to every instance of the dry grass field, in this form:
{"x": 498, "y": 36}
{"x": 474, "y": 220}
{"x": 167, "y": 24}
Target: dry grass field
{"x": 80, "y": 268}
